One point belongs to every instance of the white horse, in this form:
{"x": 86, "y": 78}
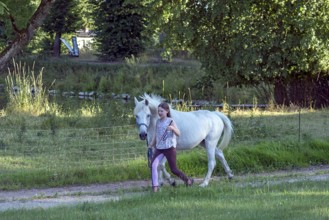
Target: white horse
{"x": 200, "y": 127}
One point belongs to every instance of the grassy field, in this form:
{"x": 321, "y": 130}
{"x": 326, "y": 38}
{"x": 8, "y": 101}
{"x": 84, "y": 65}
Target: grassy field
{"x": 43, "y": 144}
{"x": 242, "y": 199}
{"x": 46, "y": 151}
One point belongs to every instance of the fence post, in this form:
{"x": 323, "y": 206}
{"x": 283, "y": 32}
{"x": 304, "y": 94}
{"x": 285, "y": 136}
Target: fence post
{"x": 299, "y": 110}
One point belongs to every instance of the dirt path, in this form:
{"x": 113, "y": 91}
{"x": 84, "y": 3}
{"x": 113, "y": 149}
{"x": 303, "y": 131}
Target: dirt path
{"x": 72, "y": 195}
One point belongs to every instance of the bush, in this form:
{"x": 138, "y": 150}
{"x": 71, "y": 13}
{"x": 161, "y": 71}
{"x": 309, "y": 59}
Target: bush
{"x": 25, "y": 91}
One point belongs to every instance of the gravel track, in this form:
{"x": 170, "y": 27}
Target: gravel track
{"x": 73, "y": 195}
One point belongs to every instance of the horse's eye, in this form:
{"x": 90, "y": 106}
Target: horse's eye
{"x": 148, "y": 116}
{"x": 136, "y": 116}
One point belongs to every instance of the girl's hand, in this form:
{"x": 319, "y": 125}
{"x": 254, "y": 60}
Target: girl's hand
{"x": 174, "y": 129}
{"x": 170, "y": 128}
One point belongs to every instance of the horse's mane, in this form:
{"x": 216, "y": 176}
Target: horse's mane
{"x": 153, "y": 100}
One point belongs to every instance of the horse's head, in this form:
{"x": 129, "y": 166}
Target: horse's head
{"x": 146, "y": 113}
{"x": 143, "y": 115}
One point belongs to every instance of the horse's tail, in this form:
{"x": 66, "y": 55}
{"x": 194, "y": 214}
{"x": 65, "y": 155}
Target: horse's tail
{"x": 228, "y": 130}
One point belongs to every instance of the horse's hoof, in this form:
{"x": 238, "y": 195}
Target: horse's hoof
{"x": 230, "y": 177}
{"x": 173, "y": 184}
{"x": 203, "y": 185}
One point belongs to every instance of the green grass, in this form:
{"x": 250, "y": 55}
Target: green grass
{"x": 98, "y": 143}
{"x": 30, "y": 96}
{"x": 221, "y": 200}
{"x": 41, "y": 153}
{"x": 136, "y": 77}
{"x": 93, "y": 142}
{"x": 38, "y": 158}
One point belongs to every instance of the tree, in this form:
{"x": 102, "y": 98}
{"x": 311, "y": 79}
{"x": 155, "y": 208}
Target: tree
{"x": 283, "y": 42}
{"x": 20, "y": 15}
{"x": 64, "y": 17}
{"x": 87, "y": 14}
{"x": 3, "y": 10}
{"x": 119, "y": 27}
{"x": 25, "y": 34}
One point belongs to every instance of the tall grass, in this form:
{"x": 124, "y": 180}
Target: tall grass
{"x": 29, "y": 104}
{"x": 137, "y": 75}
{"x": 26, "y": 93}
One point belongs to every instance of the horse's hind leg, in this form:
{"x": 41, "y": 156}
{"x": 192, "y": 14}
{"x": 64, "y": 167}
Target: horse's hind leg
{"x": 220, "y": 156}
{"x": 163, "y": 173}
{"x": 211, "y": 165}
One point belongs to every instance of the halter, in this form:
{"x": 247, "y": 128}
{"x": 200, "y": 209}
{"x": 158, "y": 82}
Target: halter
{"x": 140, "y": 124}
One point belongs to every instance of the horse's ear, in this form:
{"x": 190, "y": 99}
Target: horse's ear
{"x": 136, "y": 101}
{"x": 146, "y": 102}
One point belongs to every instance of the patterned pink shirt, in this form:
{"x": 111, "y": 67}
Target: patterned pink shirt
{"x": 165, "y": 139}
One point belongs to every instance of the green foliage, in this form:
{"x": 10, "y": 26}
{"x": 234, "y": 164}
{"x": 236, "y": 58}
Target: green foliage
{"x": 3, "y": 8}
{"x": 105, "y": 84}
{"x": 86, "y": 13}
{"x": 20, "y": 14}
{"x": 134, "y": 76}
{"x": 119, "y": 27}
{"x": 251, "y": 42}
{"x": 41, "y": 45}
{"x": 278, "y": 155}
{"x": 64, "y": 17}
{"x": 25, "y": 91}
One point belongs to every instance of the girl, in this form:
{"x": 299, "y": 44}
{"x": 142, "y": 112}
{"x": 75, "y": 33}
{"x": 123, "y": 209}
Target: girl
{"x": 164, "y": 142}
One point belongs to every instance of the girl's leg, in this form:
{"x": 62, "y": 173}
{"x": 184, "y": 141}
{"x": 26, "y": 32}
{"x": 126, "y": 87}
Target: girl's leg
{"x": 155, "y": 162}
{"x": 170, "y": 154}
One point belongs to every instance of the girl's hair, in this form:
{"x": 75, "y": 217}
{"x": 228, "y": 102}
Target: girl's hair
{"x": 166, "y": 107}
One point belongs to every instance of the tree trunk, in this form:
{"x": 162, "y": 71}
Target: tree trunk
{"x": 300, "y": 91}
{"x": 308, "y": 91}
{"x": 25, "y": 35}
{"x": 57, "y": 45}
{"x": 280, "y": 92}
{"x": 321, "y": 92}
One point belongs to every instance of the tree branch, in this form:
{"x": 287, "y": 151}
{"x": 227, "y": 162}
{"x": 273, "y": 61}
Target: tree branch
{"x": 25, "y": 35}
{"x": 13, "y": 24}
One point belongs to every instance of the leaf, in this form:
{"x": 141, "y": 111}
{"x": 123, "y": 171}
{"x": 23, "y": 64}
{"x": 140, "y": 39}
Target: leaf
{"x": 3, "y": 8}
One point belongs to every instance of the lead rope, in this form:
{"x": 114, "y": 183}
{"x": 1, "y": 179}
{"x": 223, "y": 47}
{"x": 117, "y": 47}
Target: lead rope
{"x": 149, "y": 154}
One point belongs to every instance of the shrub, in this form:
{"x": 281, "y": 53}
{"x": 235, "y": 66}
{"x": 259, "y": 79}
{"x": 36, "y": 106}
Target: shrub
{"x": 25, "y": 91}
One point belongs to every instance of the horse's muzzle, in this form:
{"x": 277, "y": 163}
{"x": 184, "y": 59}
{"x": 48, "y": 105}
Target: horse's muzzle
{"x": 143, "y": 136}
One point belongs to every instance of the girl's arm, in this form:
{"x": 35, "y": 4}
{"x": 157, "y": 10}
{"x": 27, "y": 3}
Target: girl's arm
{"x": 173, "y": 127}
{"x": 152, "y": 144}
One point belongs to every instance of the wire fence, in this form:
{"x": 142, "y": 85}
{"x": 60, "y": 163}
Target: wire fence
{"x": 73, "y": 147}
{"x": 103, "y": 146}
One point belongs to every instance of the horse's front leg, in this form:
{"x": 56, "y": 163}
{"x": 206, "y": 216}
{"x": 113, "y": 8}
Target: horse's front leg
{"x": 163, "y": 172}
{"x": 211, "y": 165}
